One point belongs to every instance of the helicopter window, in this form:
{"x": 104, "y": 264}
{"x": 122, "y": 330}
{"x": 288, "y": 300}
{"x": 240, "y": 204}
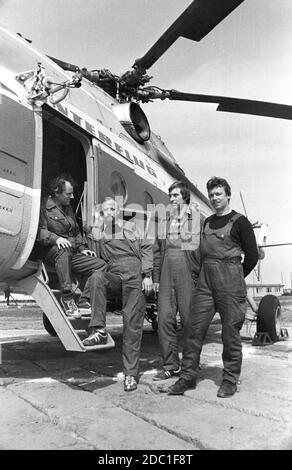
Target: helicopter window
{"x": 148, "y": 200}
{"x": 118, "y": 186}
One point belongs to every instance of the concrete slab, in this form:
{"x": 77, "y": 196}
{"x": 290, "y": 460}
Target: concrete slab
{"x": 81, "y": 395}
{"x": 24, "y": 427}
{"x": 96, "y": 420}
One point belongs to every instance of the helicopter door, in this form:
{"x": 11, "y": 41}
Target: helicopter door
{"x": 20, "y": 182}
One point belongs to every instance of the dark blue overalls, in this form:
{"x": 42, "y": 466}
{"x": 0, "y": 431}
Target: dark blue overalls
{"x": 221, "y": 288}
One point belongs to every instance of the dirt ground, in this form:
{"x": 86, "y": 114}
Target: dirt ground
{"x": 57, "y": 400}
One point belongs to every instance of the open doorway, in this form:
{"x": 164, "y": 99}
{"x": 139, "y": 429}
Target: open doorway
{"x": 64, "y": 151}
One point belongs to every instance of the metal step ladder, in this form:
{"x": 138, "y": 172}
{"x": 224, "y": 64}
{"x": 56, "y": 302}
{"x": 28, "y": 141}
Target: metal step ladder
{"x": 36, "y": 285}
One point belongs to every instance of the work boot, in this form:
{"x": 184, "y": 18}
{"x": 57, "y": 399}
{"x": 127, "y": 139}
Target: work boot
{"x": 167, "y": 374}
{"x": 97, "y": 336}
{"x": 130, "y": 383}
{"x": 181, "y": 386}
{"x": 70, "y": 308}
{"x": 227, "y": 389}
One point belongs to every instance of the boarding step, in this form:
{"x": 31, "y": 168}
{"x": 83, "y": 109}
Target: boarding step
{"x": 36, "y": 285}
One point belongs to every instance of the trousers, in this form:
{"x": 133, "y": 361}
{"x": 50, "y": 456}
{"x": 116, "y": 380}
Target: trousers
{"x": 221, "y": 288}
{"x": 176, "y": 289}
{"x": 67, "y": 262}
{"x": 123, "y": 273}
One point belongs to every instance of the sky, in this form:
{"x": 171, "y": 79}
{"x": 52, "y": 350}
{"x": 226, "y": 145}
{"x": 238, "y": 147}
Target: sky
{"x": 248, "y": 55}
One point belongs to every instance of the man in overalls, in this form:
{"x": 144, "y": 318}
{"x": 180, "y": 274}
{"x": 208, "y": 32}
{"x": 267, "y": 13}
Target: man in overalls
{"x": 175, "y": 272}
{"x": 129, "y": 258}
{"x": 226, "y": 236}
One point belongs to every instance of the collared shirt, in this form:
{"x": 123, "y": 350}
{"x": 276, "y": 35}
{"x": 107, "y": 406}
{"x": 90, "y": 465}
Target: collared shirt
{"x": 176, "y": 221}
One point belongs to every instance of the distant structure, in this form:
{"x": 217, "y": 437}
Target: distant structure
{"x": 259, "y": 290}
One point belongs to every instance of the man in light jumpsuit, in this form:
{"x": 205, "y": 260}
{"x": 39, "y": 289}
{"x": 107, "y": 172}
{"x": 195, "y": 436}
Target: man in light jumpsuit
{"x": 129, "y": 258}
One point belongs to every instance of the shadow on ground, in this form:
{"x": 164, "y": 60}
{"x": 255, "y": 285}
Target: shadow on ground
{"x": 41, "y": 357}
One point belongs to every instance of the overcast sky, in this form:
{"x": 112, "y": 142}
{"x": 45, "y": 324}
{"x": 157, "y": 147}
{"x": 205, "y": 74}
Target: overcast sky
{"x": 247, "y": 56}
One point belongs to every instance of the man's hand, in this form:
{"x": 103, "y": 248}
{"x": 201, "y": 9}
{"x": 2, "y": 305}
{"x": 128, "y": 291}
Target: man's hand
{"x": 147, "y": 285}
{"x": 156, "y": 286}
{"x": 63, "y": 243}
{"x": 88, "y": 253}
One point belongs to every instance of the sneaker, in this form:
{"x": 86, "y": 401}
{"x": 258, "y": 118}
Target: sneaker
{"x": 96, "y": 337}
{"x": 227, "y": 389}
{"x": 130, "y": 383}
{"x": 167, "y": 374}
{"x": 181, "y": 386}
{"x": 70, "y": 308}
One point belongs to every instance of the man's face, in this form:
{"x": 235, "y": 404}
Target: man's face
{"x": 175, "y": 197}
{"x": 64, "y": 198}
{"x": 218, "y": 198}
{"x": 110, "y": 211}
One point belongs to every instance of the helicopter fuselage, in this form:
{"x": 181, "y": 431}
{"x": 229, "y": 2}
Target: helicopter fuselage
{"x": 80, "y": 135}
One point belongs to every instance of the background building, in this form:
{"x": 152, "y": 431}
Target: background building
{"x": 259, "y": 290}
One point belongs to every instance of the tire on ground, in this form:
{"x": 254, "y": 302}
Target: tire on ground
{"x": 269, "y": 316}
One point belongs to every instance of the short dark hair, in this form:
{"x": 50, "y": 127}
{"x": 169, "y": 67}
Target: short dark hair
{"x": 217, "y": 181}
{"x": 57, "y": 184}
{"x": 184, "y": 190}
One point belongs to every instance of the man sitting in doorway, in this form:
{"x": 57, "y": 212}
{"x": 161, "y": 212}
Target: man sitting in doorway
{"x": 62, "y": 246}
{"x": 130, "y": 262}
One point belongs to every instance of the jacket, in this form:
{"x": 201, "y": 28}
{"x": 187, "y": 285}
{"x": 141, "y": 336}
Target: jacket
{"x": 141, "y": 246}
{"x": 55, "y": 222}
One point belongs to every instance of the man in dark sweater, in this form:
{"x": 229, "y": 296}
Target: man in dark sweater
{"x": 226, "y": 236}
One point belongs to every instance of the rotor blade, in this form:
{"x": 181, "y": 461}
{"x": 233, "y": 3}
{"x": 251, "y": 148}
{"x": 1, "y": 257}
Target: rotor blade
{"x": 64, "y": 65}
{"x": 236, "y": 105}
{"x": 275, "y": 244}
{"x": 199, "y": 18}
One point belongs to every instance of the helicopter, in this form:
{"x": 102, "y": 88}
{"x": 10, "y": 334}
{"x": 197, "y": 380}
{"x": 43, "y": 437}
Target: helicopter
{"x": 58, "y": 117}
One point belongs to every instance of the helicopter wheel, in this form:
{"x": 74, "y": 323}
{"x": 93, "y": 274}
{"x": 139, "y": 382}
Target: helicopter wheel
{"x": 269, "y": 316}
{"x": 48, "y": 326}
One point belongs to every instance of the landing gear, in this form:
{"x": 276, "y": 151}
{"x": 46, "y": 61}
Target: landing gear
{"x": 269, "y": 317}
{"x": 151, "y": 316}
